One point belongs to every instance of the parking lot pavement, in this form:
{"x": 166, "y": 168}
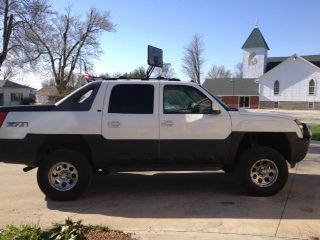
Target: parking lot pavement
{"x": 162, "y": 205}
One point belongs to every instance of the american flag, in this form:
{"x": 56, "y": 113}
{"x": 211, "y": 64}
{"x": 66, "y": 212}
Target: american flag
{"x": 87, "y": 76}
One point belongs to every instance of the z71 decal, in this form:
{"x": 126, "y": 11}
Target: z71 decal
{"x": 17, "y": 124}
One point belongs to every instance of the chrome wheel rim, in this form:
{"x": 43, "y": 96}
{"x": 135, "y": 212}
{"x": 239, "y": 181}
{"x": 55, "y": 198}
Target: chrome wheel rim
{"x": 264, "y": 173}
{"x": 63, "y": 176}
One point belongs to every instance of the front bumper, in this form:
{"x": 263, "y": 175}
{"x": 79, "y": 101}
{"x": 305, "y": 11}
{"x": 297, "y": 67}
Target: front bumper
{"x": 299, "y": 147}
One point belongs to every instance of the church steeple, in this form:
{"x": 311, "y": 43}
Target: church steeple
{"x": 255, "y": 40}
{"x": 255, "y": 53}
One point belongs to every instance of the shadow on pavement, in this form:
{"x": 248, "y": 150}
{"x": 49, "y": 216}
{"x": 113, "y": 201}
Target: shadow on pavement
{"x": 192, "y": 195}
{"x": 314, "y": 147}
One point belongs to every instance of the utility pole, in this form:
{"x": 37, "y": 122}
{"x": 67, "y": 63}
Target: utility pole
{"x": 80, "y": 68}
{"x": 79, "y": 84}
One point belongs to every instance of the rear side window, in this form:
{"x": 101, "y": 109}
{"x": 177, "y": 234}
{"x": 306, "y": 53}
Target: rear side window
{"x": 132, "y": 99}
{"x": 81, "y": 100}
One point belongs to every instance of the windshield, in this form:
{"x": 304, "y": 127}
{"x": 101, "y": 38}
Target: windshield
{"x": 224, "y": 105}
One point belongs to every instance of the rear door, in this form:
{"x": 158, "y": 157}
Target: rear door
{"x": 189, "y": 131}
{"x": 131, "y": 122}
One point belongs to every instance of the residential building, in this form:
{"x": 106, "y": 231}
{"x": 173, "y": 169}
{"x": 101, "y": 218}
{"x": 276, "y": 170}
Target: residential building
{"x": 47, "y": 95}
{"x": 12, "y": 93}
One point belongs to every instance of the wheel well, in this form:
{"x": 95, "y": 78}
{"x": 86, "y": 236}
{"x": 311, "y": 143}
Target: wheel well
{"x": 276, "y": 141}
{"x": 55, "y": 142}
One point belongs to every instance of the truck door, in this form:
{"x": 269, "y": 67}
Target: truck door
{"x": 131, "y": 122}
{"x": 189, "y": 131}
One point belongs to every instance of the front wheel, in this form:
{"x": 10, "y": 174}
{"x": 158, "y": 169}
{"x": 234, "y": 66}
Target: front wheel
{"x": 64, "y": 175}
{"x": 263, "y": 171}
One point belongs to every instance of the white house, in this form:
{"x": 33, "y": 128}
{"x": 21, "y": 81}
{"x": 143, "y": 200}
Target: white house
{"x": 12, "y": 93}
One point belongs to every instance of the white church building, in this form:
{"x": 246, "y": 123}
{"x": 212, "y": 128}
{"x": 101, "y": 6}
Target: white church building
{"x": 283, "y": 82}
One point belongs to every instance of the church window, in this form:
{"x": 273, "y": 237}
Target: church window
{"x": 252, "y": 58}
{"x": 276, "y": 88}
{"x": 312, "y": 87}
{"x": 311, "y": 105}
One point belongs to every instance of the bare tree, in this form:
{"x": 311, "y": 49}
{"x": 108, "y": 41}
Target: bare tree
{"x": 238, "y": 71}
{"x": 7, "y": 74}
{"x": 166, "y": 71}
{"x": 6, "y": 29}
{"x": 193, "y": 59}
{"x": 218, "y": 72}
{"x": 13, "y": 14}
{"x": 61, "y": 42}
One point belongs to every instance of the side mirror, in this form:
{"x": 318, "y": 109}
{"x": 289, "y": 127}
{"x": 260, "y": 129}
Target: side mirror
{"x": 215, "y": 108}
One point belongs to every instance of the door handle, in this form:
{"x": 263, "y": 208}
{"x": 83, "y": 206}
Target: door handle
{"x": 114, "y": 124}
{"x": 167, "y": 123}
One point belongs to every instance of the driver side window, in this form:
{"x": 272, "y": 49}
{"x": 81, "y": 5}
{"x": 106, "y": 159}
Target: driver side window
{"x": 185, "y": 100}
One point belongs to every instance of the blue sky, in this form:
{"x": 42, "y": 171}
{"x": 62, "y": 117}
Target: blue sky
{"x": 289, "y": 26}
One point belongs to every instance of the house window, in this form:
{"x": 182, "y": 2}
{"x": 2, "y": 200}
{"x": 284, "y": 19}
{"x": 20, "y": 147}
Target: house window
{"x": 275, "y": 104}
{"x": 312, "y": 86}
{"x": 16, "y": 97}
{"x": 310, "y": 105}
{"x": 276, "y": 88}
{"x": 244, "y": 102}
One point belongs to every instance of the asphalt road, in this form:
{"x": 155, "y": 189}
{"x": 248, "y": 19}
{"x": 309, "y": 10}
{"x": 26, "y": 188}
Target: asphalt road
{"x": 162, "y": 205}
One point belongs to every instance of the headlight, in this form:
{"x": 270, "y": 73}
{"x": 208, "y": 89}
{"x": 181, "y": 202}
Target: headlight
{"x": 305, "y": 130}
{"x": 299, "y": 123}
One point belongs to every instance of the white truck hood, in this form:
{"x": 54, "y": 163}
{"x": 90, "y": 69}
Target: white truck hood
{"x": 248, "y": 112}
{"x": 252, "y": 121}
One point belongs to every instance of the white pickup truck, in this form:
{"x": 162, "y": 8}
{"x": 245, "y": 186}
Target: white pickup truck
{"x": 139, "y": 125}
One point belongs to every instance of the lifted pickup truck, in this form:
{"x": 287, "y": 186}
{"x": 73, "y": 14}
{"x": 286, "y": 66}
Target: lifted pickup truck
{"x": 138, "y": 125}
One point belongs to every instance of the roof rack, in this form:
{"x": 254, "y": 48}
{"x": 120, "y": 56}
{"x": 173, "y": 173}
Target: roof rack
{"x": 126, "y": 78}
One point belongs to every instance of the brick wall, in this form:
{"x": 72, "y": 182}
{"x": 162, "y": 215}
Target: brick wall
{"x": 254, "y": 102}
{"x": 232, "y": 101}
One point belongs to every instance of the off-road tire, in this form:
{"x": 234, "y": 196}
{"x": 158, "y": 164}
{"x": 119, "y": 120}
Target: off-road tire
{"x": 79, "y": 166}
{"x": 248, "y": 174}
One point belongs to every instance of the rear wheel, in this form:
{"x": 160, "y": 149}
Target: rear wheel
{"x": 263, "y": 171}
{"x": 64, "y": 175}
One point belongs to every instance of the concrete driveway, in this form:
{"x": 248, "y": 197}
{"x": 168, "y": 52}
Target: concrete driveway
{"x": 198, "y": 205}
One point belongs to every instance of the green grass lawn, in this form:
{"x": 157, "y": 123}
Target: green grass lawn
{"x": 316, "y": 132}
